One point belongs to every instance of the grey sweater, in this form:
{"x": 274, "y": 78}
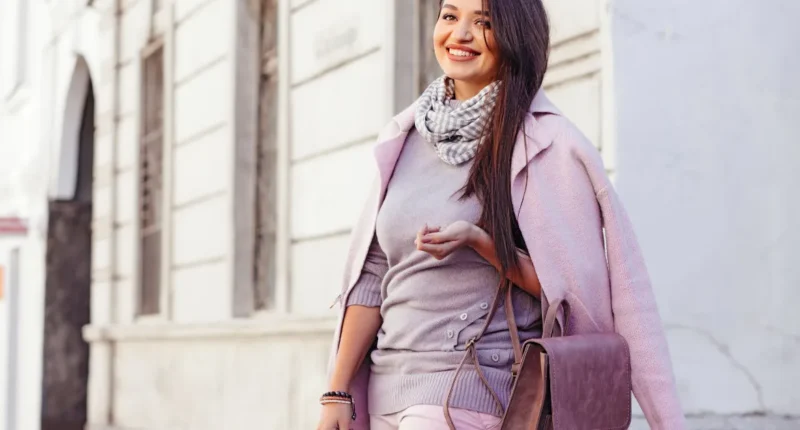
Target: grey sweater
{"x": 430, "y": 308}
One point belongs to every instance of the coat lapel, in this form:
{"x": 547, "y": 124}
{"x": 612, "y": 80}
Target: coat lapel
{"x": 390, "y": 145}
{"x": 387, "y": 152}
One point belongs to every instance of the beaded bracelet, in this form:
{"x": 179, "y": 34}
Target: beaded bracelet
{"x": 339, "y": 397}
{"x": 337, "y": 394}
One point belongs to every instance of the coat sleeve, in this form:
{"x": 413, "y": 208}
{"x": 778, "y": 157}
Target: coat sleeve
{"x": 637, "y": 319}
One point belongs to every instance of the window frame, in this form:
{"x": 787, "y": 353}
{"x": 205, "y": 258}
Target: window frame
{"x": 153, "y": 136}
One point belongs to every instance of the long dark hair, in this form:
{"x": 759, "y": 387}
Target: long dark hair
{"x": 522, "y": 35}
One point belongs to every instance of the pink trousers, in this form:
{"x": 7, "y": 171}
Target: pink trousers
{"x": 428, "y": 417}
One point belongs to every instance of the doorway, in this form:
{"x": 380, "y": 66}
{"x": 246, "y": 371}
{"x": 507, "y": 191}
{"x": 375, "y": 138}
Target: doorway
{"x": 65, "y": 371}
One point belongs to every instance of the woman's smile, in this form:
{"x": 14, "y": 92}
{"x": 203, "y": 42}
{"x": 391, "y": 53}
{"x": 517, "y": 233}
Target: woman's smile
{"x": 461, "y": 53}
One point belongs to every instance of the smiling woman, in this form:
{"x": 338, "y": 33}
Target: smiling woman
{"x": 465, "y": 48}
{"x": 484, "y": 188}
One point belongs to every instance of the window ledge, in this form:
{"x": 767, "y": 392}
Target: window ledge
{"x": 235, "y": 329}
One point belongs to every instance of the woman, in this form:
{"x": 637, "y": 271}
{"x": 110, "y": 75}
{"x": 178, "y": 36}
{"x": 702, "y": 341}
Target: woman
{"x": 483, "y": 176}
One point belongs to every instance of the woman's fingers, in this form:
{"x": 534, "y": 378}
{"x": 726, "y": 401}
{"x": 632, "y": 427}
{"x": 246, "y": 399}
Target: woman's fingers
{"x": 420, "y": 233}
{"x": 429, "y": 248}
{"x": 438, "y": 251}
{"x": 425, "y": 230}
{"x": 433, "y": 238}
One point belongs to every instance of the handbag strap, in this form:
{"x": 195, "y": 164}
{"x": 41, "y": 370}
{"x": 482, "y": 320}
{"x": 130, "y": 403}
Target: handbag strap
{"x": 511, "y": 319}
{"x": 548, "y": 330}
{"x": 504, "y": 287}
{"x": 551, "y": 320}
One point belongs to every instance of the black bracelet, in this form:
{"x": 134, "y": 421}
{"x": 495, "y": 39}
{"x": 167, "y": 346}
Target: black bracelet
{"x": 338, "y": 394}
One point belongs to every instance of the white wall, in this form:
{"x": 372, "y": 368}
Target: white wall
{"x": 708, "y": 98}
{"x": 23, "y": 188}
{"x": 575, "y": 76}
{"x": 203, "y": 159}
{"x": 21, "y": 150}
{"x": 340, "y": 86}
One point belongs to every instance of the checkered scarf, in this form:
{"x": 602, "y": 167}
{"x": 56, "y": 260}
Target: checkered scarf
{"x": 454, "y": 131}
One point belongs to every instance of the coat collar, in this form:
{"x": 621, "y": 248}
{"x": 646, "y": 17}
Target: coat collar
{"x": 535, "y": 137}
{"x": 530, "y": 142}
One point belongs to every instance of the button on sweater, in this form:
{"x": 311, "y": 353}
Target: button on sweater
{"x": 431, "y": 308}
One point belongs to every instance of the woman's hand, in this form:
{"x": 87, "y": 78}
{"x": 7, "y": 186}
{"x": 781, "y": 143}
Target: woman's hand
{"x": 335, "y": 416}
{"x": 441, "y": 242}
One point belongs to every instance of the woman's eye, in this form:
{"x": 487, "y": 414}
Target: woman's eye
{"x": 484, "y": 23}
{"x": 448, "y": 17}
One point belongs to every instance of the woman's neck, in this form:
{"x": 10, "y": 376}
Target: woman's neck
{"x": 466, "y": 90}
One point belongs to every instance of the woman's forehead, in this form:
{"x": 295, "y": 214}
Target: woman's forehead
{"x": 469, "y": 6}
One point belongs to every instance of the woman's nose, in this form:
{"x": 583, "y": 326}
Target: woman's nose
{"x": 464, "y": 32}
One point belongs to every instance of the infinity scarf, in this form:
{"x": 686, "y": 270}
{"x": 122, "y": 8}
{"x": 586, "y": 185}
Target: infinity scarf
{"x": 454, "y": 131}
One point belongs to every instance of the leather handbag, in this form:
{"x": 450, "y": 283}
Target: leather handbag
{"x": 561, "y": 381}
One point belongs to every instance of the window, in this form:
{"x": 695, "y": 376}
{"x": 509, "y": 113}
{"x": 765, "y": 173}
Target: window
{"x": 150, "y": 184}
{"x": 264, "y": 264}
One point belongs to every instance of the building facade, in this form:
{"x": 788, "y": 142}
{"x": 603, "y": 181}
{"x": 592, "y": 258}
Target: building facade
{"x": 185, "y": 175}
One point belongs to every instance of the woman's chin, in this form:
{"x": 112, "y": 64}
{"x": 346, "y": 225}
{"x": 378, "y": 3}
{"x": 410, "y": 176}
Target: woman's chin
{"x": 461, "y": 75}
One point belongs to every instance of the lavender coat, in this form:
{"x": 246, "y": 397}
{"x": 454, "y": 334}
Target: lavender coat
{"x": 568, "y": 203}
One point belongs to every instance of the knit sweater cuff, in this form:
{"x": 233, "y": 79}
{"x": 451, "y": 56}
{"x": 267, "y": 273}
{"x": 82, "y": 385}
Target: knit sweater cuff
{"x": 366, "y": 292}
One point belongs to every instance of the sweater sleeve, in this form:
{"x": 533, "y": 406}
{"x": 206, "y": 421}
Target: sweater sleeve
{"x": 367, "y": 290}
{"x": 637, "y": 319}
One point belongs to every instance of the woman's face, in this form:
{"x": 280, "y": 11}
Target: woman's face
{"x": 464, "y": 42}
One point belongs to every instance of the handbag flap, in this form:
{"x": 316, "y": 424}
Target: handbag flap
{"x": 590, "y": 381}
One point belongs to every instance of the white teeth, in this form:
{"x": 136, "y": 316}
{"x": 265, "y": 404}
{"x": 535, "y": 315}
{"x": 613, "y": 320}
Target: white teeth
{"x": 460, "y": 53}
